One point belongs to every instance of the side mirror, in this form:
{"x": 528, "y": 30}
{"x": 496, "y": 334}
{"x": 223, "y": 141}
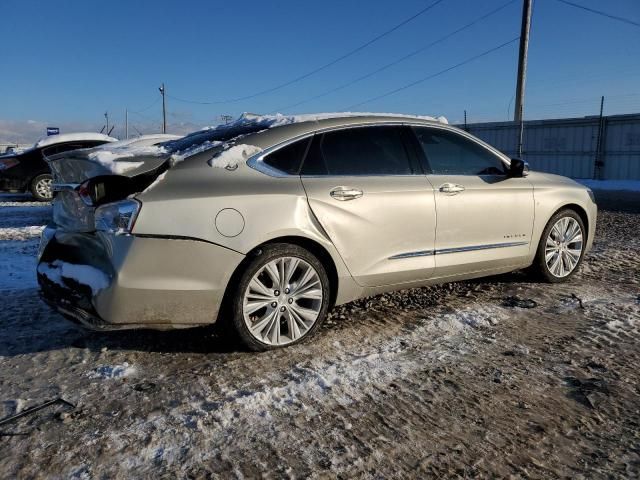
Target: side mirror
{"x": 518, "y": 168}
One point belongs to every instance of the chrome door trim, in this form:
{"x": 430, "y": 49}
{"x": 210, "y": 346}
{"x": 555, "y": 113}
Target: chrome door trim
{"x": 421, "y": 253}
{"x": 443, "y": 251}
{"x": 473, "y": 248}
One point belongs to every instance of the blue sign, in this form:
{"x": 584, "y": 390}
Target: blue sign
{"x": 53, "y": 130}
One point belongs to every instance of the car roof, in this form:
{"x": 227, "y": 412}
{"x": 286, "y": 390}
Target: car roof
{"x": 73, "y": 137}
{"x": 307, "y": 124}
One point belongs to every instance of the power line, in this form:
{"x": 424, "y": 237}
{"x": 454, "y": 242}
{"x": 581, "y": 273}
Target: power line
{"x": 401, "y": 59}
{"x": 147, "y": 107}
{"x": 318, "y": 69}
{"x": 429, "y": 77}
{"x": 599, "y": 12}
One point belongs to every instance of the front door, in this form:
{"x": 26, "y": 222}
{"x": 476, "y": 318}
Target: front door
{"x": 485, "y": 218}
{"x": 370, "y": 197}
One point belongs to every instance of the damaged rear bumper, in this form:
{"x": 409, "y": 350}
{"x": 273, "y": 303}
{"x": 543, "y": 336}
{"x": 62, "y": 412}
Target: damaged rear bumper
{"x": 114, "y": 282}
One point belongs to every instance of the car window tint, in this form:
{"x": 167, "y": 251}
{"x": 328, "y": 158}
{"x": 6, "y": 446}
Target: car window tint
{"x": 360, "y": 151}
{"x": 66, "y": 147}
{"x": 451, "y": 154}
{"x": 288, "y": 159}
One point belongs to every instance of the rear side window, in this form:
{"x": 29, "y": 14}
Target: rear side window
{"x": 451, "y": 154}
{"x": 288, "y": 159}
{"x": 359, "y": 151}
{"x": 67, "y": 147}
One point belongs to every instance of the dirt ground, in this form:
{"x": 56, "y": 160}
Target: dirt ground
{"x": 464, "y": 380}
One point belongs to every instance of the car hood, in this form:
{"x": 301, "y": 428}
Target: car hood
{"x": 540, "y": 179}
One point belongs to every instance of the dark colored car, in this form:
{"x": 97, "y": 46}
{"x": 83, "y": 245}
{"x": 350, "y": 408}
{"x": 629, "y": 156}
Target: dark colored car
{"x": 27, "y": 171}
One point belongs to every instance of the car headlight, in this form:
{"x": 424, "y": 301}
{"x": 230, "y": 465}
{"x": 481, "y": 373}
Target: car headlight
{"x": 591, "y": 195}
{"x": 117, "y": 217}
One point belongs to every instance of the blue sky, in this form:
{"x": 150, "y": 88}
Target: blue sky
{"x": 67, "y": 61}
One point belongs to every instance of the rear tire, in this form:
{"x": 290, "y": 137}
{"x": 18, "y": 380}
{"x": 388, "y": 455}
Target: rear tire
{"x": 561, "y": 247}
{"x": 42, "y": 187}
{"x": 281, "y": 299}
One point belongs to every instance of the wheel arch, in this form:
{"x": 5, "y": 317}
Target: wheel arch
{"x": 578, "y": 209}
{"x": 582, "y": 213}
{"x": 321, "y": 253}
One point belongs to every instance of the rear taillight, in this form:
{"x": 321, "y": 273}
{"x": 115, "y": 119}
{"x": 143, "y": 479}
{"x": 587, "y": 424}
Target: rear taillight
{"x": 7, "y": 163}
{"x": 117, "y": 217}
{"x": 84, "y": 192}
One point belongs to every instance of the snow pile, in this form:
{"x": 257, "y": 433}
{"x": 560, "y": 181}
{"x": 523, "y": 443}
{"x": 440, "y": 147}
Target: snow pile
{"x": 474, "y": 317}
{"x": 73, "y": 137}
{"x": 18, "y": 264}
{"x": 57, "y": 271}
{"x": 112, "y": 371}
{"x": 231, "y": 157}
{"x": 120, "y": 160}
{"x": 21, "y": 233}
{"x": 194, "y": 150}
{"x": 343, "y": 379}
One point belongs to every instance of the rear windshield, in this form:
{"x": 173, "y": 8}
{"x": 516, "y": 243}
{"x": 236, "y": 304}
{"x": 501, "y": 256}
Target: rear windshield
{"x": 221, "y": 133}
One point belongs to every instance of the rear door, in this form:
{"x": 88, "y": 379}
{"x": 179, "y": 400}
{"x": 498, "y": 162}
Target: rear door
{"x": 485, "y": 218}
{"x": 368, "y": 192}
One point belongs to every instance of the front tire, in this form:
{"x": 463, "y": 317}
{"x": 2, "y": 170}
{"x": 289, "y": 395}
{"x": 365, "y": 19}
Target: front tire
{"x": 42, "y": 187}
{"x": 282, "y": 297}
{"x": 561, "y": 247}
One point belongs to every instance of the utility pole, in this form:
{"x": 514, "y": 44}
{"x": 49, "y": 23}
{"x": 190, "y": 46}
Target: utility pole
{"x": 126, "y": 124}
{"x": 518, "y": 111}
{"x": 164, "y": 109}
{"x": 598, "y": 163}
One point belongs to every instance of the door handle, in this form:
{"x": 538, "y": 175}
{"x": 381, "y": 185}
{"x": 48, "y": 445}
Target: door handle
{"x": 451, "y": 188}
{"x": 345, "y": 193}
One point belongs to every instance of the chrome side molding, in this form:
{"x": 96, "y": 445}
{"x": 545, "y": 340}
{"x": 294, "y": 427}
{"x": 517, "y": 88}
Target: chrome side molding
{"x": 443, "y": 251}
{"x": 422, "y": 253}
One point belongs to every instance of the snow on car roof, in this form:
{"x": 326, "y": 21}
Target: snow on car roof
{"x": 249, "y": 123}
{"x": 142, "y": 140}
{"x": 73, "y": 137}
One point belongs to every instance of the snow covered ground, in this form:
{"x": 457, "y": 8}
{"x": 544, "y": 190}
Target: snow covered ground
{"x": 451, "y": 381}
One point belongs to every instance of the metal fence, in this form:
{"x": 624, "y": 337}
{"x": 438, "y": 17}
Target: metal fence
{"x": 589, "y": 147}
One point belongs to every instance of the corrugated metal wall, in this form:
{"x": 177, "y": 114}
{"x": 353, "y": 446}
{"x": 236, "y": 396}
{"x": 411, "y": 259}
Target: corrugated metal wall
{"x": 568, "y": 146}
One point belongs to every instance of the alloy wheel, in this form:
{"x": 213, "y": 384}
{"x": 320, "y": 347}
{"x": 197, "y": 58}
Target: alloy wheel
{"x": 44, "y": 187}
{"x": 282, "y": 301}
{"x": 563, "y": 247}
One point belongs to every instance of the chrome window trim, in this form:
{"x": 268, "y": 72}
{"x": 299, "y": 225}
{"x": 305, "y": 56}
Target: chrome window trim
{"x": 257, "y": 161}
{"x": 444, "y": 251}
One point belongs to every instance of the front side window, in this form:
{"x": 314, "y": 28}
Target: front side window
{"x": 359, "y": 151}
{"x": 451, "y": 154}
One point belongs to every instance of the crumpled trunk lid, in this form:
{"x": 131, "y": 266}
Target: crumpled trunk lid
{"x": 107, "y": 175}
